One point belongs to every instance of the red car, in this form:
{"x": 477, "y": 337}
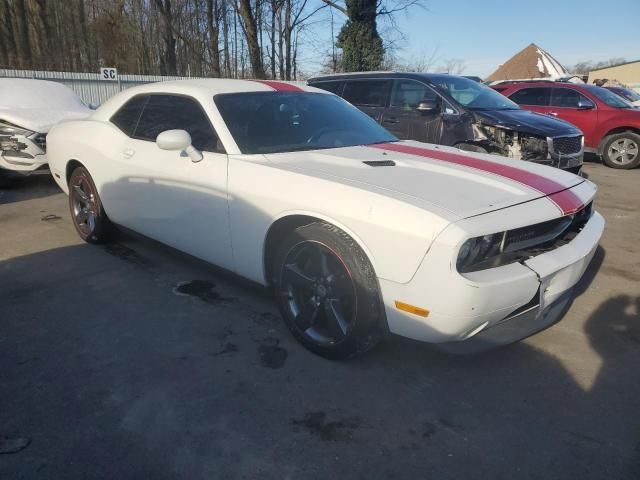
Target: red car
{"x": 610, "y": 124}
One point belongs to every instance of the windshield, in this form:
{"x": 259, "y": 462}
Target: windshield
{"x": 608, "y": 97}
{"x": 627, "y": 93}
{"x": 272, "y": 122}
{"x": 474, "y": 95}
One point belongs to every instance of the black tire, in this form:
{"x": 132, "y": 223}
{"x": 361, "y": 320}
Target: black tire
{"x": 469, "y": 147}
{"x": 611, "y": 150}
{"x": 5, "y": 180}
{"x": 350, "y": 289}
{"x": 87, "y": 214}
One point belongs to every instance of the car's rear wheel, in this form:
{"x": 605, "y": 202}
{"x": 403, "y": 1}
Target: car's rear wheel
{"x": 87, "y": 213}
{"x": 327, "y": 291}
{"x": 622, "y": 150}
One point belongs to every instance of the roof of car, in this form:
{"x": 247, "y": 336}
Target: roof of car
{"x": 223, "y": 85}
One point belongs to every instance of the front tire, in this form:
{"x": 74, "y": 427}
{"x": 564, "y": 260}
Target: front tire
{"x": 327, "y": 292}
{"x": 622, "y": 150}
{"x": 88, "y": 215}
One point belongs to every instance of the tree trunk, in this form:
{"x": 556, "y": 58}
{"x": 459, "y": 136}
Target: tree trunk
{"x": 251, "y": 35}
{"x": 213, "y": 17}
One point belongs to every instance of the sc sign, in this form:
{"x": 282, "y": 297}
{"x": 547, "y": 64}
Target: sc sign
{"x": 109, "y": 74}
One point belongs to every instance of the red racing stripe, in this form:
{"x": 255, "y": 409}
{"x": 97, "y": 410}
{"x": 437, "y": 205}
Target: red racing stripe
{"x": 280, "y": 86}
{"x": 567, "y": 201}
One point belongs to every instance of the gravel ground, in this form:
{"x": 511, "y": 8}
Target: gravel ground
{"x": 134, "y": 361}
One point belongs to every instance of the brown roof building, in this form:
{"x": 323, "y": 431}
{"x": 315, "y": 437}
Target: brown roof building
{"x": 532, "y": 62}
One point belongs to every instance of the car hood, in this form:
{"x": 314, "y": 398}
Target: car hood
{"x": 41, "y": 119}
{"x": 526, "y": 121}
{"x": 460, "y": 190}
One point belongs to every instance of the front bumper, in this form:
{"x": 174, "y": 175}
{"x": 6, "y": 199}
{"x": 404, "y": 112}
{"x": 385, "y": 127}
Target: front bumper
{"x": 499, "y": 305}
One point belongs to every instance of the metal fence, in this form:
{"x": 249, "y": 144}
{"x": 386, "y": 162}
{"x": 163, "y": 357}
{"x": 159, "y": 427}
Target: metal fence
{"x": 89, "y": 86}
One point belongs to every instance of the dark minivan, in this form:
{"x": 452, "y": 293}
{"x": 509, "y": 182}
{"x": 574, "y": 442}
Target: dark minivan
{"x": 456, "y": 111}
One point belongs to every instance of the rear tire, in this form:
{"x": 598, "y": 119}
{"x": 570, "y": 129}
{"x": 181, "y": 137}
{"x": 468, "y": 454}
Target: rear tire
{"x": 88, "y": 215}
{"x": 622, "y": 150}
{"x": 327, "y": 292}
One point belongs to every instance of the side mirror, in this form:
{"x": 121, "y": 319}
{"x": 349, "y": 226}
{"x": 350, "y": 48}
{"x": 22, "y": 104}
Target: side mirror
{"x": 585, "y": 105}
{"x": 178, "y": 140}
{"x": 428, "y": 106}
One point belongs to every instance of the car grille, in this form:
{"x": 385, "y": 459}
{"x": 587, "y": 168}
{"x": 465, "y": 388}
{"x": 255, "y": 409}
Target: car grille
{"x": 548, "y": 235}
{"x": 567, "y": 145}
{"x": 41, "y": 141}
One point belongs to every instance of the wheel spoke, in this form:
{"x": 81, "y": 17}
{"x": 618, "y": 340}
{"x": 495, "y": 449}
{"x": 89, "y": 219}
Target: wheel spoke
{"x": 81, "y": 194}
{"x": 295, "y": 276}
{"x": 324, "y": 263}
{"x": 334, "y": 315}
{"x": 308, "y": 316}
{"x": 82, "y": 216}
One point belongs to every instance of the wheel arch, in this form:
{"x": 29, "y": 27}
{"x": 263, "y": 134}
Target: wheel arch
{"x": 615, "y": 131}
{"x": 71, "y": 165}
{"x": 288, "y": 222}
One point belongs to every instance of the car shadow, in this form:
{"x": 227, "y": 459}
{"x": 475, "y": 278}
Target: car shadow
{"x": 28, "y": 188}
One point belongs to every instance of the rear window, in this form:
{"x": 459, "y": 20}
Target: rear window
{"x": 532, "y": 96}
{"x": 367, "y": 93}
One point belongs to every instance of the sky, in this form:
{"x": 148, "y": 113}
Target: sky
{"x": 485, "y": 34}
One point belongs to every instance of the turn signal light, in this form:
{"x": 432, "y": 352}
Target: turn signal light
{"x": 421, "y": 312}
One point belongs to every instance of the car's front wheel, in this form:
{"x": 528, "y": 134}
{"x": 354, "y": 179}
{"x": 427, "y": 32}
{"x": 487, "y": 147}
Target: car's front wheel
{"x": 327, "y": 291}
{"x": 622, "y": 150}
{"x": 87, "y": 213}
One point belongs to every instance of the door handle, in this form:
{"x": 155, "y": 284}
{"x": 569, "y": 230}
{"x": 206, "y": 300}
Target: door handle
{"x": 128, "y": 153}
{"x": 390, "y": 120}
{"x": 553, "y": 114}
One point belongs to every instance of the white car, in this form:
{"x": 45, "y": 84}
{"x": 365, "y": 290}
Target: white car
{"x": 357, "y": 233}
{"x": 28, "y": 109}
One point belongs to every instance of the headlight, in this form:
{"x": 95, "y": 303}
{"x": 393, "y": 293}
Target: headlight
{"x": 480, "y": 252}
{"x": 7, "y": 128}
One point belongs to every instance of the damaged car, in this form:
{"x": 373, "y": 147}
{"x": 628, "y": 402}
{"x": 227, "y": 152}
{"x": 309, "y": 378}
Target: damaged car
{"x": 460, "y": 112}
{"x": 28, "y": 109}
{"x": 356, "y": 233}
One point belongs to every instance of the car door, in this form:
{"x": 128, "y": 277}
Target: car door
{"x": 371, "y": 96}
{"x": 404, "y": 120}
{"x": 169, "y": 197}
{"x": 570, "y": 105}
{"x": 537, "y": 99}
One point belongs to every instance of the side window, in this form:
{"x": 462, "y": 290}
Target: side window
{"x": 126, "y": 119}
{"x": 532, "y": 96}
{"x": 333, "y": 87}
{"x": 409, "y": 93}
{"x": 172, "y": 112}
{"x": 367, "y": 93}
{"x": 567, "y": 98}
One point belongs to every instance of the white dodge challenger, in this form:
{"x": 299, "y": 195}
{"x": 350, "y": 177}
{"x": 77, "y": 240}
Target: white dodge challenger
{"x": 357, "y": 233}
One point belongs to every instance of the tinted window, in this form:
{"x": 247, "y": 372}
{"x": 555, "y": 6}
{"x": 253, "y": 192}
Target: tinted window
{"x": 367, "y": 93}
{"x": 567, "y": 98}
{"x": 472, "y": 95}
{"x": 408, "y": 94}
{"x": 270, "y": 122}
{"x": 171, "y": 112}
{"x": 608, "y": 97}
{"x": 333, "y": 87}
{"x": 127, "y": 117}
{"x": 532, "y": 96}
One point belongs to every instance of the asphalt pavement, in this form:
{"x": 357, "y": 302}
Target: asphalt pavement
{"x": 131, "y": 360}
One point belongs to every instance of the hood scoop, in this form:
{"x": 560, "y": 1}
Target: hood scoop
{"x": 380, "y": 163}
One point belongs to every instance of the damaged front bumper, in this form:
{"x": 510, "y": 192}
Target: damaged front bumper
{"x": 483, "y": 309}
{"x": 23, "y": 155}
